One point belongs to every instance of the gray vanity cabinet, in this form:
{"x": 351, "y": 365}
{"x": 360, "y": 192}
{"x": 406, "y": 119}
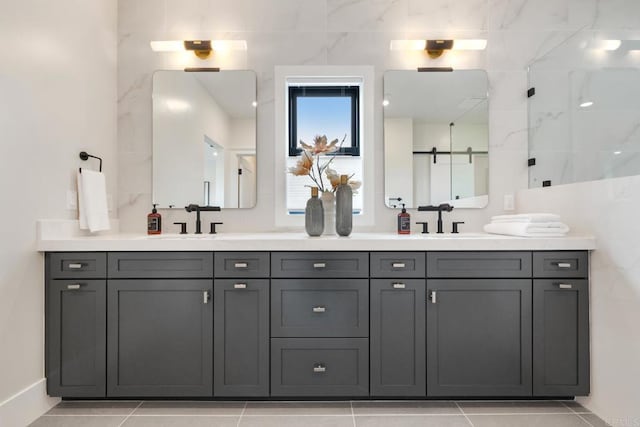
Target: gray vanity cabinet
{"x": 160, "y": 336}
{"x": 76, "y": 338}
{"x": 398, "y": 337}
{"x": 479, "y": 337}
{"x": 241, "y": 337}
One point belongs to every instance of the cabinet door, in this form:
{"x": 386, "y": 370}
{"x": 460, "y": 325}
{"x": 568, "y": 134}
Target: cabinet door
{"x": 560, "y": 337}
{"x": 160, "y": 336}
{"x": 76, "y": 338}
{"x": 398, "y": 338}
{"x": 241, "y": 359}
{"x": 479, "y": 337}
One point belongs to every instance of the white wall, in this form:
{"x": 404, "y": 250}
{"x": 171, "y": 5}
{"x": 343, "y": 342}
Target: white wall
{"x": 607, "y": 209}
{"x": 58, "y": 86}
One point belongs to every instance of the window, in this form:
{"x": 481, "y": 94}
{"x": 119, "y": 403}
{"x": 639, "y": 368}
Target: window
{"x": 330, "y": 110}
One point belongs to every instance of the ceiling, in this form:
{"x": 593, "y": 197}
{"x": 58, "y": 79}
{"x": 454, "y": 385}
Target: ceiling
{"x": 436, "y": 97}
{"x": 234, "y": 91}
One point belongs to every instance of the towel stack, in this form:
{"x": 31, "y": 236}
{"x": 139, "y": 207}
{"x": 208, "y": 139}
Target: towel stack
{"x": 528, "y": 225}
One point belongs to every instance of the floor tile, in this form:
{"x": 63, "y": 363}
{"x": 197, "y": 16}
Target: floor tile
{"x": 405, "y": 407}
{"x": 514, "y": 407}
{"x": 180, "y": 421}
{"x": 594, "y": 420}
{"x": 83, "y": 407}
{"x": 412, "y": 421}
{"x": 189, "y": 408}
{"x": 296, "y": 421}
{"x": 538, "y": 420}
{"x": 77, "y": 421}
{"x": 294, "y": 408}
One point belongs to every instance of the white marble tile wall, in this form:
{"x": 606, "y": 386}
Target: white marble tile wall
{"x": 344, "y": 32}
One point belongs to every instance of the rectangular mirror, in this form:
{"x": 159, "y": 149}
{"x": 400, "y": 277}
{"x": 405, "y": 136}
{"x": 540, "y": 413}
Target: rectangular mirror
{"x": 204, "y": 139}
{"x": 436, "y": 138}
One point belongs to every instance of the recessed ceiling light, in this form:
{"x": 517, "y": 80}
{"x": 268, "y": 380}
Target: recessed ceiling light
{"x": 586, "y": 104}
{"x": 385, "y": 102}
{"x": 617, "y": 152}
{"x": 254, "y": 103}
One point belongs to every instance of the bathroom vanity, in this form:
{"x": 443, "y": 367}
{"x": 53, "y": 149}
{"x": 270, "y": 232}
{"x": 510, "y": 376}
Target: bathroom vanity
{"x": 248, "y": 318}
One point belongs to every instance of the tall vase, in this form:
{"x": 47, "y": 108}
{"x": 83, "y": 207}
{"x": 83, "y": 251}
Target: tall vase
{"x": 329, "y": 205}
{"x": 344, "y": 207}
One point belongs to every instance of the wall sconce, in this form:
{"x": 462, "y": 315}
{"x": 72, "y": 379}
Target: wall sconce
{"x": 201, "y": 48}
{"x": 435, "y": 48}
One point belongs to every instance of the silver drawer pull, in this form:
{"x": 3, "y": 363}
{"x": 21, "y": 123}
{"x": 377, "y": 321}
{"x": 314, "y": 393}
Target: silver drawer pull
{"x": 565, "y": 285}
{"x": 241, "y": 265}
{"x": 432, "y": 297}
{"x": 318, "y": 367}
{"x": 240, "y": 286}
{"x": 205, "y": 297}
{"x": 75, "y": 266}
{"x": 319, "y": 265}
{"x": 398, "y": 286}
{"x": 319, "y": 309}
{"x": 74, "y": 286}
{"x": 564, "y": 265}
{"x": 398, "y": 265}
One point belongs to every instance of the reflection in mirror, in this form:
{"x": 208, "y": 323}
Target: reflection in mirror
{"x": 204, "y": 139}
{"x": 584, "y": 110}
{"x": 436, "y": 138}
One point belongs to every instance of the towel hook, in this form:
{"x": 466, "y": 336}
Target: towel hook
{"x": 85, "y": 156}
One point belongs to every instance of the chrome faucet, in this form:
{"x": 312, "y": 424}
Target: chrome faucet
{"x": 198, "y": 209}
{"x": 440, "y": 208}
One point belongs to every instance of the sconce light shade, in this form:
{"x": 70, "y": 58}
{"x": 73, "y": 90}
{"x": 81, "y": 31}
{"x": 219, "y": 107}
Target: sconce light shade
{"x": 436, "y": 48}
{"x": 201, "y": 48}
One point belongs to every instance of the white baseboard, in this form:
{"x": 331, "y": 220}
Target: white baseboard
{"x": 27, "y": 405}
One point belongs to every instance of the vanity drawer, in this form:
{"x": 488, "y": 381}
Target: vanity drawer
{"x": 561, "y": 264}
{"x": 77, "y": 265}
{"x": 479, "y": 264}
{"x": 320, "y": 264}
{"x": 319, "y": 308}
{"x": 241, "y": 264}
{"x": 153, "y": 265}
{"x": 320, "y": 367}
{"x": 397, "y": 264}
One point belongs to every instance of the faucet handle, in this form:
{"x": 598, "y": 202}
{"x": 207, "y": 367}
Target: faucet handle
{"x": 213, "y": 227}
{"x": 183, "y": 227}
{"x": 425, "y": 227}
{"x": 455, "y": 226}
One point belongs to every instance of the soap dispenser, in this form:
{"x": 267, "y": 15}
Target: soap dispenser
{"x": 154, "y": 221}
{"x": 404, "y": 221}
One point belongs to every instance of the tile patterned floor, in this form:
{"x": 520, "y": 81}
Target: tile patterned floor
{"x": 319, "y": 414}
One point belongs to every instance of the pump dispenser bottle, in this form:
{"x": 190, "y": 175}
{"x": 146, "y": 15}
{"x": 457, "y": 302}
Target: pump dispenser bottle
{"x": 404, "y": 221}
{"x": 154, "y": 222}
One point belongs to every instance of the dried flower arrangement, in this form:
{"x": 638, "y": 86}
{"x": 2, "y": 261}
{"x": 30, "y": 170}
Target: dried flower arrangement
{"x": 310, "y": 164}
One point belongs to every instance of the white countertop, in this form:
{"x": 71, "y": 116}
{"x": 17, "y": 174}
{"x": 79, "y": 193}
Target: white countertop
{"x": 288, "y": 241}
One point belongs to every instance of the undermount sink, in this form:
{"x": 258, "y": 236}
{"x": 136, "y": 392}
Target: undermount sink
{"x": 180, "y": 237}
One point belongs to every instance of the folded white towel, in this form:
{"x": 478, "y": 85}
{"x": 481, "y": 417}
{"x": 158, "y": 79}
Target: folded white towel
{"x": 527, "y": 218}
{"x": 92, "y": 201}
{"x": 528, "y": 230}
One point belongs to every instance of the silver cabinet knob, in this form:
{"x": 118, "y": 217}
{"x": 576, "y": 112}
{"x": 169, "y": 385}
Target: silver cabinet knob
{"x": 319, "y": 309}
{"x": 205, "y": 297}
{"x": 398, "y": 265}
{"x": 241, "y": 265}
{"x": 565, "y": 285}
{"x": 74, "y": 286}
{"x": 319, "y": 265}
{"x": 240, "y": 286}
{"x": 399, "y": 286}
{"x": 432, "y": 297}
{"x": 75, "y": 266}
{"x": 564, "y": 265}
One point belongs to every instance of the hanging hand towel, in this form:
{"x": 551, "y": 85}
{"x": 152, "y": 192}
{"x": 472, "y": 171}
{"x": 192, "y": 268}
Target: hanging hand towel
{"x": 556, "y": 229}
{"x": 527, "y": 218}
{"x": 92, "y": 201}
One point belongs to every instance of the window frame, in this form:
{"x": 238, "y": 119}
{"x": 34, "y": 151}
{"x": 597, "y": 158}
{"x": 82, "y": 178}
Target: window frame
{"x": 320, "y": 91}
